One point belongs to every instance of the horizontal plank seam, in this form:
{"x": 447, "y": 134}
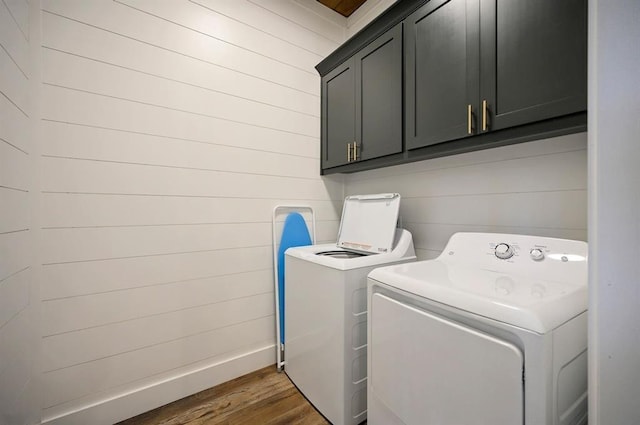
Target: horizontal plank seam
{"x": 237, "y": 46}
{"x": 13, "y": 60}
{"x": 17, "y": 189}
{"x": 26, "y": 37}
{"x": 157, "y": 254}
{"x": 162, "y": 372}
{"x": 106, "y": 399}
{"x": 178, "y": 81}
{"x": 369, "y": 178}
{"x": 128, "y": 226}
{"x": 14, "y": 104}
{"x": 214, "y": 170}
{"x": 9, "y": 276}
{"x": 473, "y": 194}
{"x": 151, "y": 285}
{"x": 179, "y": 53}
{"x": 295, "y": 23}
{"x": 175, "y": 138}
{"x": 184, "y": 111}
{"x": 519, "y": 226}
{"x": 90, "y": 260}
{"x": 14, "y": 231}
{"x": 163, "y": 313}
{"x": 320, "y": 56}
{"x": 13, "y": 146}
{"x": 169, "y": 195}
{"x": 2, "y": 326}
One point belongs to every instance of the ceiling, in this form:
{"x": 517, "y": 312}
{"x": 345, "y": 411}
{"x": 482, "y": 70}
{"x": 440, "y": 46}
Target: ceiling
{"x": 343, "y": 7}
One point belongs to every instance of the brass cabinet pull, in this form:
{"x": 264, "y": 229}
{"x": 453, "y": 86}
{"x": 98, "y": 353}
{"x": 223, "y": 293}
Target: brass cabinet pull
{"x": 484, "y": 115}
{"x": 355, "y": 151}
{"x": 348, "y": 152}
{"x": 469, "y": 114}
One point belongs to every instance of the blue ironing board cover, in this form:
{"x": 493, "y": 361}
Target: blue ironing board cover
{"x": 294, "y": 233}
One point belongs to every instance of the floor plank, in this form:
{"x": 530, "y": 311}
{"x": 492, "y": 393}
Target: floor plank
{"x": 261, "y": 397}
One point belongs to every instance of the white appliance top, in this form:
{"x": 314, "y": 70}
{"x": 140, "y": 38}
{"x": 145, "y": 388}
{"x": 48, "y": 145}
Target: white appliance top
{"x": 403, "y": 251}
{"x": 368, "y": 223}
{"x": 532, "y": 282}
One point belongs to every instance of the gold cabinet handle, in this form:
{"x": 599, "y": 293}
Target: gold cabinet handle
{"x": 484, "y": 115}
{"x": 469, "y": 115}
{"x": 348, "y": 152}
{"x": 355, "y": 151}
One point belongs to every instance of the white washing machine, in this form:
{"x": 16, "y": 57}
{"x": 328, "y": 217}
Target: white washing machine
{"x": 492, "y": 332}
{"x": 326, "y": 305}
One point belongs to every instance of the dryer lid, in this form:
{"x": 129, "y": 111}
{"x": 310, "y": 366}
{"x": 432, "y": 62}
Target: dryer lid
{"x": 526, "y": 302}
{"x": 368, "y": 223}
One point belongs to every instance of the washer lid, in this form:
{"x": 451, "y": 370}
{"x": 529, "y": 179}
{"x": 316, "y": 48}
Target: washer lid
{"x": 533, "y": 304}
{"x": 368, "y": 223}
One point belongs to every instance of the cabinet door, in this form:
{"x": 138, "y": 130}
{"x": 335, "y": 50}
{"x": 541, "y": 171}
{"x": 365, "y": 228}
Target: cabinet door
{"x": 534, "y": 60}
{"x": 442, "y": 72}
{"x": 338, "y": 115}
{"x": 379, "y": 96}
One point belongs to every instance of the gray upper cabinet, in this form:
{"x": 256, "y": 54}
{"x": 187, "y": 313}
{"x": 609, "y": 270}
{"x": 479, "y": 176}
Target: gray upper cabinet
{"x": 379, "y": 96}
{"x": 534, "y": 60}
{"x": 477, "y": 66}
{"x": 442, "y": 68}
{"x": 362, "y": 104}
{"x": 441, "y": 77}
{"x": 338, "y": 115}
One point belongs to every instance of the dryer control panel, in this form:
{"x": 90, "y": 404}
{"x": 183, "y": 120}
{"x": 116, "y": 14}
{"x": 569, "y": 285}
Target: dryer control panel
{"x": 505, "y": 251}
{"x": 533, "y": 282}
{"x": 536, "y": 256}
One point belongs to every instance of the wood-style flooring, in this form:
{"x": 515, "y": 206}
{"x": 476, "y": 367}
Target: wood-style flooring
{"x": 263, "y": 397}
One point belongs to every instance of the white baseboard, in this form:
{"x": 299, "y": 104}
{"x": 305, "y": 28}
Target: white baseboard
{"x": 122, "y": 406}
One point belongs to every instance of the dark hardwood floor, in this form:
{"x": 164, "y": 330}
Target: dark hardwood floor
{"x": 261, "y": 397}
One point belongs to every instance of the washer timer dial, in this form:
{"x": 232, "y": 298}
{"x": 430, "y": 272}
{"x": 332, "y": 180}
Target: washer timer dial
{"x": 503, "y": 251}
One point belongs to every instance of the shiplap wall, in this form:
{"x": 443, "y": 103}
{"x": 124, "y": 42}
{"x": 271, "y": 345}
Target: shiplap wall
{"x": 365, "y": 14}
{"x": 537, "y": 188}
{"x": 18, "y": 293}
{"x": 170, "y": 130}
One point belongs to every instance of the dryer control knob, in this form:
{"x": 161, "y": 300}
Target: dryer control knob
{"x": 503, "y": 251}
{"x": 537, "y": 254}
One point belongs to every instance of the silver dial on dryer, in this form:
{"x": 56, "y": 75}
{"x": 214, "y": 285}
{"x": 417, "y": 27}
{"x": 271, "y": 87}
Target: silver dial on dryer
{"x": 503, "y": 251}
{"x": 537, "y": 254}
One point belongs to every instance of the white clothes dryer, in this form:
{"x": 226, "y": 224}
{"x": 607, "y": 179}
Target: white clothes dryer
{"x": 492, "y": 332}
{"x": 326, "y": 305}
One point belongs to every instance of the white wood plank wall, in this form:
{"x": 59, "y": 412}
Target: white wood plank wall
{"x": 18, "y": 306}
{"x": 537, "y": 188}
{"x": 365, "y": 14}
{"x": 170, "y": 131}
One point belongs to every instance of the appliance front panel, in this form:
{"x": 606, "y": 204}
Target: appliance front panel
{"x": 426, "y": 369}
